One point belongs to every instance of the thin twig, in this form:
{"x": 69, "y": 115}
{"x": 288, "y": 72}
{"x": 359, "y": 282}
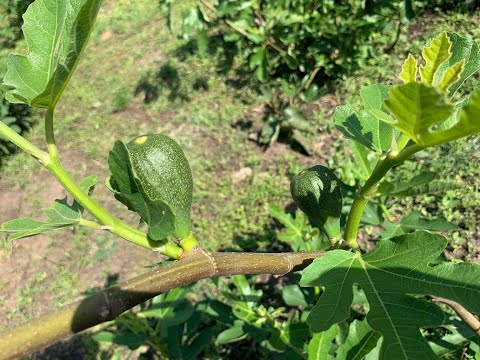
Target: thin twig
{"x": 469, "y": 319}
{"x": 397, "y": 36}
{"x": 109, "y": 303}
{"x": 312, "y": 77}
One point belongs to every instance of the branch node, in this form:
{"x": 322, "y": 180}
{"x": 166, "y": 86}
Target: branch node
{"x": 290, "y": 266}
{"x": 210, "y": 257}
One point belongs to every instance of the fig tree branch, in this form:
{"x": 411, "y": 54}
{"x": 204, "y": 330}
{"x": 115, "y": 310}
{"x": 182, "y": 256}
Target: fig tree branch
{"x": 469, "y": 319}
{"x": 109, "y": 303}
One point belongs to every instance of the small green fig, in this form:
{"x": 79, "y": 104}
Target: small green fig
{"x": 152, "y": 177}
{"x": 316, "y": 191}
{"x": 164, "y": 173}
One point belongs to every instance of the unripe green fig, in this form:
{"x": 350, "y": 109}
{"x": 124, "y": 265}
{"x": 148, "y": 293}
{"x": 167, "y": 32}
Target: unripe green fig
{"x": 152, "y": 177}
{"x": 164, "y": 173}
{"x": 316, "y": 191}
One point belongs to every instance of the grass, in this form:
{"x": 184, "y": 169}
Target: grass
{"x": 26, "y": 296}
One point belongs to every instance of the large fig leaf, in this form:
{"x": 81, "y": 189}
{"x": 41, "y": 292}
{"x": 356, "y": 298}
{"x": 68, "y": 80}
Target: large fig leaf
{"x": 56, "y": 32}
{"x": 129, "y": 191}
{"x": 393, "y": 275}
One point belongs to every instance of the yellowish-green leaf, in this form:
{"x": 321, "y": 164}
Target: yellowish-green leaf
{"x": 417, "y": 108}
{"x": 468, "y": 121}
{"x": 451, "y": 75}
{"x": 319, "y": 346}
{"x": 465, "y": 49}
{"x": 409, "y": 70}
{"x": 435, "y": 55}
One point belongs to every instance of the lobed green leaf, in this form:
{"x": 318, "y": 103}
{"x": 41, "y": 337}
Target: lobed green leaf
{"x": 364, "y": 127}
{"x": 417, "y": 108}
{"x": 59, "y": 215}
{"x": 415, "y": 221}
{"x": 392, "y": 276}
{"x": 435, "y": 55}
{"x": 462, "y": 49}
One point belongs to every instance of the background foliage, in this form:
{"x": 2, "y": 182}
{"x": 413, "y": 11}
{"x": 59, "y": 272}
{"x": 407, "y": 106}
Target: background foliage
{"x": 267, "y": 324}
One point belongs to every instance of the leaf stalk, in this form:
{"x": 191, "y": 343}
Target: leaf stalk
{"x": 115, "y": 225}
{"x": 369, "y": 189}
{"x": 23, "y": 144}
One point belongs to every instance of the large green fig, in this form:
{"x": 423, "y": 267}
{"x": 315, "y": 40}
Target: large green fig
{"x": 316, "y": 191}
{"x": 151, "y": 175}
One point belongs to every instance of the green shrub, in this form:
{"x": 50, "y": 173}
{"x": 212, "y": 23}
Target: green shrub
{"x": 17, "y": 117}
{"x": 11, "y": 21}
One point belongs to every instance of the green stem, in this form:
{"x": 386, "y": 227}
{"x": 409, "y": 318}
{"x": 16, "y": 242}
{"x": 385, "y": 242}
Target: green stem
{"x": 101, "y": 214}
{"x": 23, "y": 144}
{"x": 385, "y": 211}
{"x": 49, "y": 134}
{"x": 108, "y": 221}
{"x": 189, "y": 243}
{"x": 90, "y": 224}
{"x": 369, "y": 188}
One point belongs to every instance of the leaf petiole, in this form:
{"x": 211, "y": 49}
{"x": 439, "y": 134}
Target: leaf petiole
{"x": 90, "y": 224}
{"x": 115, "y": 225}
{"x": 49, "y": 133}
{"x": 23, "y": 144}
{"x": 106, "y": 219}
{"x": 369, "y": 188}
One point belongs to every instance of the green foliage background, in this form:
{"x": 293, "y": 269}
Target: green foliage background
{"x": 271, "y": 335}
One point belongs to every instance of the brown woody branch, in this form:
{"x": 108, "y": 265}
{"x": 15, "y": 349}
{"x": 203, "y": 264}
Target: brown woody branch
{"x": 469, "y": 319}
{"x": 109, "y": 303}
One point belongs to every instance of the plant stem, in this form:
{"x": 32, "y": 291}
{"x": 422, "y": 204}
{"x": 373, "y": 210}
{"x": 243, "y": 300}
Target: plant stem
{"x": 109, "y": 221}
{"x": 111, "y": 302}
{"x": 90, "y": 224}
{"x": 385, "y": 211}
{"x": 189, "y": 242}
{"x": 112, "y": 223}
{"x": 312, "y": 77}
{"x": 23, "y": 144}
{"x": 369, "y": 189}
{"x": 49, "y": 134}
